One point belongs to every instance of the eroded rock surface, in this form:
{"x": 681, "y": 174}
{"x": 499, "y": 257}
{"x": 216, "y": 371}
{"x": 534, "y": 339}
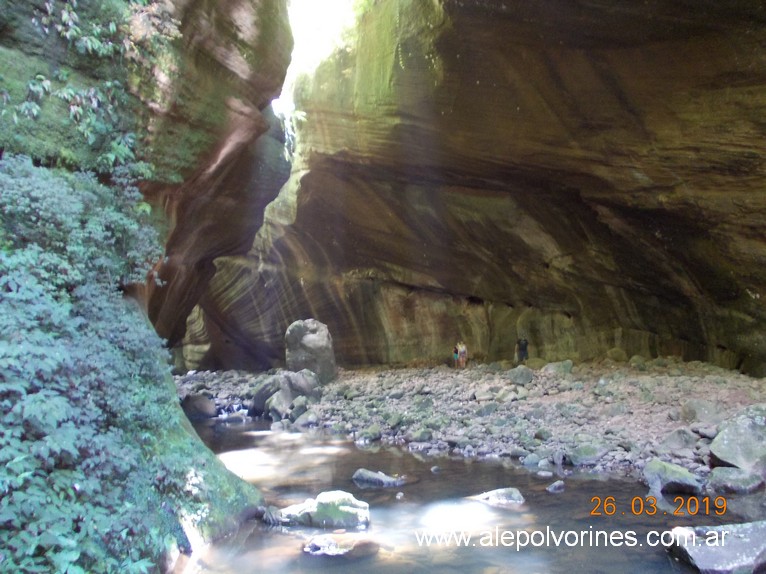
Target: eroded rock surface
{"x": 481, "y": 171}
{"x": 728, "y": 549}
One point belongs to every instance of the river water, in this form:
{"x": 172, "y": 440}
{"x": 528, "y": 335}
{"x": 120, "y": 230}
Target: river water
{"x": 289, "y": 468}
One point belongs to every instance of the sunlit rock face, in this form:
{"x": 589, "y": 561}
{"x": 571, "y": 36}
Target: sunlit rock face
{"x": 585, "y": 175}
{"x": 211, "y": 128}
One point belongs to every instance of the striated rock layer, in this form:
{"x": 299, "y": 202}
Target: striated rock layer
{"x": 218, "y": 147}
{"x": 586, "y": 175}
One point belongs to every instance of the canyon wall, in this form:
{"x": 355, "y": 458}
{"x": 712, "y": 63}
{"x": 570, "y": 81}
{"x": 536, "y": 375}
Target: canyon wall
{"x": 585, "y": 175}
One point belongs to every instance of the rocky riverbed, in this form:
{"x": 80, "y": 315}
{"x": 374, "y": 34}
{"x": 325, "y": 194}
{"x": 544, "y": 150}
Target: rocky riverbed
{"x": 608, "y": 417}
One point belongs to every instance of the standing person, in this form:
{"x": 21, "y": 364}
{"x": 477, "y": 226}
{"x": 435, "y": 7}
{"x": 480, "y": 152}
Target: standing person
{"x": 522, "y": 353}
{"x": 462, "y": 352}
{"x": 455, "y": 355}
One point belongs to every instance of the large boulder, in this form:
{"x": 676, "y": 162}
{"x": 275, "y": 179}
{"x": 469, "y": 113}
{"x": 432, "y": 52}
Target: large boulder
{"x": 587, "y": 453}
{"x": 521, "y": 375}
{"x": 296, "y": 392}
{"x": 332, "y": 509}
{"x": 727, "y": 549}
{"x": 198, "y": 407}
{"x": 741, "y": 442}
{"x": 309, "y": 346}
{"x": 727, "y": 479}
{"x": 665, "y": 477}
{"x": 261, "y": 391}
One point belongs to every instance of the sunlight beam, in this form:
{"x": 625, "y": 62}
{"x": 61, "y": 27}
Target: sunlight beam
{"x": 319, "y": 28}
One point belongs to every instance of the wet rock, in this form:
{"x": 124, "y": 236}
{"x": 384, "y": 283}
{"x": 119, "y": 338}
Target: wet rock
{"x": 331, "y": 509}
{"x": 727, "y": 549}
{"x": 307, "y": 419}
{"x": 346, "y": 545}
{"x": 741, "y": 442}
{"x": 555, "y": 487}
{"x": 670, "y": 478}
{"x": 309, "y": 346}
{"x": 237, "y": 417}
{"x": 518, "y": 452}
{"x": 457, "y": 441}
{"x": 734, "y": 480}
{"x": 371, "y": 434}
{"x": 363, "y": 477}
{"x": 531, "y": 460}
{"x": 503, "y": 497}
{"x": 198, "y": 407}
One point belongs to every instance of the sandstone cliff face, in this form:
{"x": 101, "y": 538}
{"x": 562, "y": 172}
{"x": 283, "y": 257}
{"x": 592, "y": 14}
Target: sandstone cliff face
{"x": 582, "y": 174}
{"x": 209, "y": 130}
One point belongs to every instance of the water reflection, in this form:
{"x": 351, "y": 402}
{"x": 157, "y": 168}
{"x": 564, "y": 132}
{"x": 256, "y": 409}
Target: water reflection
{"x": 292, "y": 467}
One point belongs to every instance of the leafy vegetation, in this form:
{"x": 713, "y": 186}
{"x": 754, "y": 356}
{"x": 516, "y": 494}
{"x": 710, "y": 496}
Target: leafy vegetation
{"x": 74, "y": 363}
{"x": 95, "y": 468}
{"x": 98, "y": 466}
{"x": 79, "y": 85}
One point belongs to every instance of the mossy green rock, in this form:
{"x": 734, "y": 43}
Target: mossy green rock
{"x": 420, "y": 435}
{"x": 371, "y": 433}
{"x": 586, "y": 454}
{"x": 332, "y": 509}
{"x": 726, "y": 479}
{"x": 670, "y": 478}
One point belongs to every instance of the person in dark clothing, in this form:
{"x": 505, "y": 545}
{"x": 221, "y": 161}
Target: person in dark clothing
{"x": 522, "y": 352}
{"x": 455, "y": 355}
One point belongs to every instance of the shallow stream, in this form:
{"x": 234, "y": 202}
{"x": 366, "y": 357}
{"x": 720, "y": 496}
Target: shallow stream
{"x": 289, "y": 468}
